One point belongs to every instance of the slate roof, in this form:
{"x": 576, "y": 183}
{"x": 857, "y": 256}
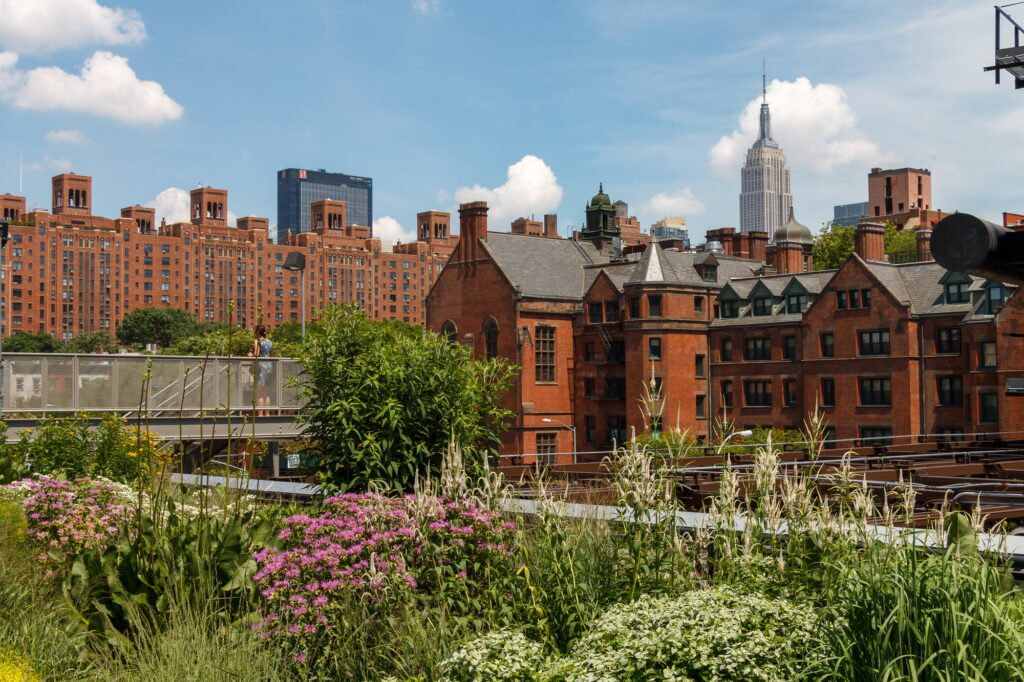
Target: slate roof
{"x": 542, "y": 267}
{"x": 565, "y": 269}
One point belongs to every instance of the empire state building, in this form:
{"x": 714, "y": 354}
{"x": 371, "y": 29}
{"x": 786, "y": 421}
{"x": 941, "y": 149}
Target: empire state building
{"x": 765, "y": 195}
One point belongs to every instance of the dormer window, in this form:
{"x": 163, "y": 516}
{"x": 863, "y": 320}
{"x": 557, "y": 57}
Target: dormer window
{"x": 956, "y": 292}
{"x": 996, "y": 298}
{"x": 796, "y": 303}
{"x": 710, "y": 273}
{"x": 729, "y": 309}
{"x": 762, "y": 306}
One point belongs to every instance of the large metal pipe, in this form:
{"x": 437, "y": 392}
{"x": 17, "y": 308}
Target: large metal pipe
{"x": 964, "y": 243}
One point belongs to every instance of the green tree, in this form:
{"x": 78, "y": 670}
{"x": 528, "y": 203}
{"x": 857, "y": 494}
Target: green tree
{"x": 835, "y": 243}
{"x": 162, "y": 326}
{"x": 833, "y": 246}
{"x": 92, "y": 342}
{"x": 900, "y": 245}
{"x": 39, "y": 342}
{"x": 224, "y": 341}
{"x": 383, "y": 400}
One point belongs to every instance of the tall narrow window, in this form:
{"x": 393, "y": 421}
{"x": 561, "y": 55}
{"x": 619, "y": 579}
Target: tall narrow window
{"x": 699, "y": 405}
{"x": 988, "y": 408}
{"x": 545, "y": 354}
{"x": 653, "y": 305}
{"x": 448, "y": 331}
{"x": 828, "y": 347}
{"x": 828, "y": 392}
{"x": 491, "y": 338}
{"x": 987, "y": 355}
{"x": 789, "y": 392}
{"x": 655, "y": 348}
{"x": 698, "y": 365}
{"x": 726, "y": 354}
{"x": 727, "y": 393}
{"x": 789, "y": 347}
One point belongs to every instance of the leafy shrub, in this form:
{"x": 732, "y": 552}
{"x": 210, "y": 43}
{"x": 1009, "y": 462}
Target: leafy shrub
{"x": 67, "y": 517}
{"x": 383, "y": 400}
{"x": 69, "y": 447}
{"x": 203, "y": 558}
{"x": 702, "y": 635}
{"x": 499, "y": 656}
{"x": 378, "y": 547}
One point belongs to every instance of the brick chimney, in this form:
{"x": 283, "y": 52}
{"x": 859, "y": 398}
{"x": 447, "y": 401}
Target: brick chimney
{"x": 924, "y": 243}
{"x": 869, "y": 241}
{"x": 551, "y": 226}
{"x": 472, "y": 228}
{"x": 758, "y": 245}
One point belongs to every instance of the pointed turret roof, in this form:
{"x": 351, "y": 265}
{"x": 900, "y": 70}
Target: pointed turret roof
{"x": 653, "y": 266}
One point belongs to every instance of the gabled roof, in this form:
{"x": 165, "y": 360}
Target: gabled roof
{"x": 542, "y": 267}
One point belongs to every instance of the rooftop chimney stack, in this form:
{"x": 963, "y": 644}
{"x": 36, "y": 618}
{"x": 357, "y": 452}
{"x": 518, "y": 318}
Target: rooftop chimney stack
{"x": 869, "y": 241}
{"x": 472, "y": 228}
{"x": 551, "y": 226}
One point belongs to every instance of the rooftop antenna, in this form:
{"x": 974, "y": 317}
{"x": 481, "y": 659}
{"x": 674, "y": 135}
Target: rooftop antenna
{"x": 764, "y": 82}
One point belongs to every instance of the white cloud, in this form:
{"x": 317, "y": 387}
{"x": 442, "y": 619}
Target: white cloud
{"x": 426, "y": 6}
{"x": 531, "y": 188}
{"x": 814, "y": 125}
{"x": 107, "y": 86}
{"x": 48, "y": 164}
{"x": 42, "y": 26}
{"x": 68, "y": 136}
{"x": 171, "y": 205}
{"x": 681, "y": 202}
{"x": 387, "y": 229}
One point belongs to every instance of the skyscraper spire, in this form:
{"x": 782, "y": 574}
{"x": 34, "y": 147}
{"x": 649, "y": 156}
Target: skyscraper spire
{"x": 764, "y": 83}
{"x": 765, "y": 132}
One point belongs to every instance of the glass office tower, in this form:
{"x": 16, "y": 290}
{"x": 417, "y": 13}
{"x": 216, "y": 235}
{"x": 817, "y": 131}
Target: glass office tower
{"x": 298, "y": 188}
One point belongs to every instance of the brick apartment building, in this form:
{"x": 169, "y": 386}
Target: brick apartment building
{"x": 68, "y": 271}
{"x": 744, "y": 330}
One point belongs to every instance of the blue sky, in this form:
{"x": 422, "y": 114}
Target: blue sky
{"x": 437, "y": 99}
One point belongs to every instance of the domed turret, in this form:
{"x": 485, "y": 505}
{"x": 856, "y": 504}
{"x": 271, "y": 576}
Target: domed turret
{"x": 601, "y": 200}
{"x": 793, "y": 232}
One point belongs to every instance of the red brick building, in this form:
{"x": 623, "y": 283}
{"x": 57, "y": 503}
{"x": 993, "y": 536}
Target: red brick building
{"x": 883, "y": 349}
{"x": 68, "y": 271}
{"x": 742, "y": 330}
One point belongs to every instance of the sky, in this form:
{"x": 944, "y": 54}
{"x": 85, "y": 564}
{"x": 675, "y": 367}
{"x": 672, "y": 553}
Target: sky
{"x": 528, "y": 105}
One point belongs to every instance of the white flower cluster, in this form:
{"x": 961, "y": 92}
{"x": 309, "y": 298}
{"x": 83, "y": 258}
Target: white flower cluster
{"x": 703, "y": 635}
{"x": 712, "y": 635}
{"x": 499, "y": 657}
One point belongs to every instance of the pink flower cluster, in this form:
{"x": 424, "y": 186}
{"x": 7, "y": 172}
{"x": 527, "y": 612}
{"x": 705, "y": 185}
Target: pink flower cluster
{"x": 71, "y": 516}
{"x": 370, "y": 545}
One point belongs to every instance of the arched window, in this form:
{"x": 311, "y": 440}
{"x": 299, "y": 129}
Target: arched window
{"x": 491, "y": 337}
{"x": 449, "y": 331}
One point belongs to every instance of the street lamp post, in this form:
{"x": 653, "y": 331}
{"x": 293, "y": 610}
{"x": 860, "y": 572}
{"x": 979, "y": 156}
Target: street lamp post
{"x": 746, "y": 433}
{"x": 297, "y": 261}
{"x": 547, "y": 420}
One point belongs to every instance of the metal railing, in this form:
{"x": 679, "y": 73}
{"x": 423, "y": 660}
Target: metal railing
{"x": 45, "y": 383}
